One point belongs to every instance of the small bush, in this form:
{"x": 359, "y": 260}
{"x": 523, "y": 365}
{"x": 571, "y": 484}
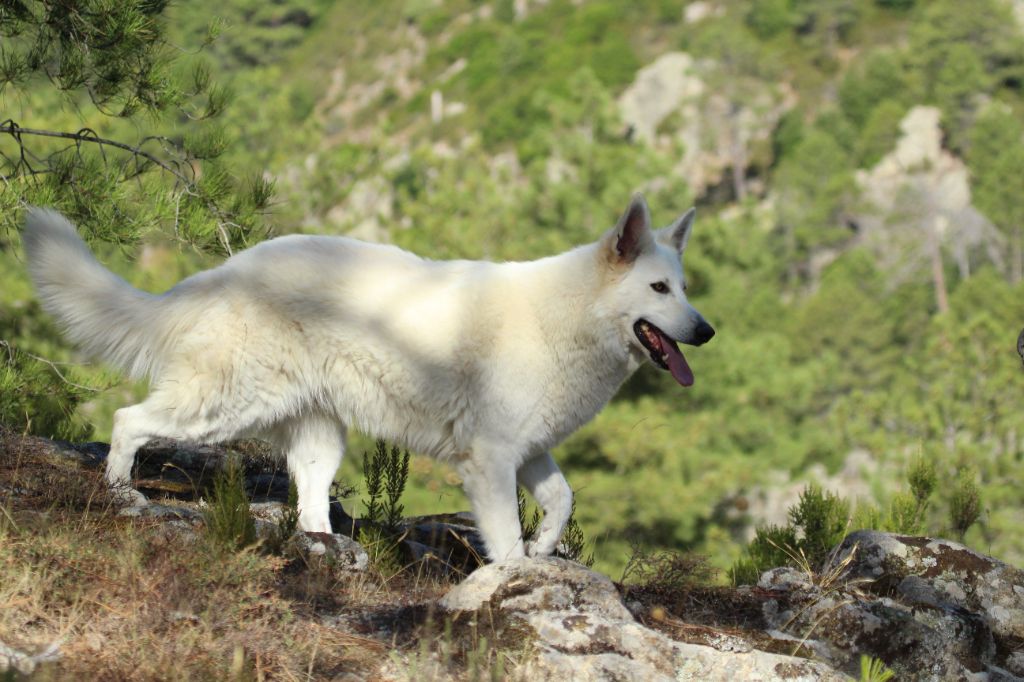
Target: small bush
{"x": 874, "y": 670}
{"x": 965, "y": 504}
{"x": 573, "y": 542}
{"x": 666, "y": 572}
{"x": 229, "y": 521}
{"x": 279, "y": 537}
{"x": 530, "y": 526}
{"x": 817, "y": 523}
{"x": 386, "y": 473}
{"x": 382, "y": 549}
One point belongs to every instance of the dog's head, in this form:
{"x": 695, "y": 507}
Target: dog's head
{"x": 647, "y": 297}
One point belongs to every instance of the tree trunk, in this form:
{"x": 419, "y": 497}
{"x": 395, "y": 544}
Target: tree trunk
{"x": 739, "y": 160}
{"x": 938, "y": 274}
{"x": 1017, "y": 256}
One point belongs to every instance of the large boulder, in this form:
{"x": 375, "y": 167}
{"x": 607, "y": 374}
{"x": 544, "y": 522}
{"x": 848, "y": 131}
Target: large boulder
{"x": 936, "y": 578}
{"x": 579, "y": 629}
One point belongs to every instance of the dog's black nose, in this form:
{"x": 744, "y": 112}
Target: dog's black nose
{"x": 703, "y": 332}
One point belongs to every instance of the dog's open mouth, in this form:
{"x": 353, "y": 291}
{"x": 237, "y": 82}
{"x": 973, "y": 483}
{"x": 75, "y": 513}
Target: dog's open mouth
{"x": 664, "y": 351}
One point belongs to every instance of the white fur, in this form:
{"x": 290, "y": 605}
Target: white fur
{"x": 485, "y": 365}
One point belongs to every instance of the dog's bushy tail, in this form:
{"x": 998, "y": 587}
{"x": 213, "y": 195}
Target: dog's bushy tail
{"x": 107, "y": 317}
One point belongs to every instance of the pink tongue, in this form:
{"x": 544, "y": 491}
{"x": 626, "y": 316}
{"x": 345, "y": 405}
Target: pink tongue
{"x": 677, "y": 364}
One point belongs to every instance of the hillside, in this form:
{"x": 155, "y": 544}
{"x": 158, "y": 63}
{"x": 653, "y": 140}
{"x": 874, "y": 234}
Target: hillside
{"x": 859, "y": 243}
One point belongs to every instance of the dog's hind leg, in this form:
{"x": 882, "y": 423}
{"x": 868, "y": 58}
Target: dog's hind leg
{"x": 136, "y": 425}
{"x": 314, "y": 445}
{"x": 542, "y": 479}
{"x": 130, "y": 432}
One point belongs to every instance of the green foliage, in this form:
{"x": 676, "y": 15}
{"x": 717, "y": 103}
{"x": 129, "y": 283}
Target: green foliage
{"x": 386, "y": 472}
{"x": 573, "y": 543}
{"x": 880, "y": 77}
{"x": 816, "y": 182}
{"x": 666, "y": 572}
{"x": 965, "y": 503}
{"x": 229, "y": 521}
{"x": 880, "y": 134}
{"x": 280, "y": 536}
{"x": 944, "y": 32}
{"x": 817, "y": 523}
{"x": 530, "y": 525}
{"x": 382, "y": 549}
{"x": 113, "y": 51}
{"x": 37, "y": 396}
{"x": 874, "y": 670}
{"x": 771, "y": 17}
{"x": 996, "y": 153}
{"x": 115, "y": 59}
{"x": 772, "y": 546}
{"x": 822, "y": 518}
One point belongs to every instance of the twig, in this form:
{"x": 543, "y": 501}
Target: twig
{"x": 53, "y": 366}
{"x": 88, "y": 135}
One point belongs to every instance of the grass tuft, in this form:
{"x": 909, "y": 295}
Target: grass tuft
{"x": 229, "y": 521}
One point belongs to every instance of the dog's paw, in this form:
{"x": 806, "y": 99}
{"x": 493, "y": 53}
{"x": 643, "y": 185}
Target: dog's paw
{"x": 128, "y": 496}
{"x": 535, "y": 549}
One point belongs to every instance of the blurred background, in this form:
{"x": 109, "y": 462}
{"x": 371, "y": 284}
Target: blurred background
{"x": 858, "y": 167}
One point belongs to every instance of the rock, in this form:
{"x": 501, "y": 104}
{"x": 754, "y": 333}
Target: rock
{"x": 341, "y": 550}
{"x": 162, "y": 511}
{"x": 448, "y": 543}
{"x": 700, "y": 10}
{"x": 921, "y": 192}
{"x": 941, "y": 576}
{"x": 670, "y": 107}
{"x": 580, "y": 630}
{"x": 659, "y": 89}
{"x": 839, "y": 625}
{"x": 26, "y": 664}
{"x": 930, "y": 609}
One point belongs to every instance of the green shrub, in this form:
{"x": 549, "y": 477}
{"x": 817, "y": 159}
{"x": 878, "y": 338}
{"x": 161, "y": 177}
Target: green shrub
{"x": 965, "y": 504}
{"x": 817, "y": 523}
{"x": 289, "y": 523}
{"x": 874, "y": 670}
{"x": 386, "y": 472}
{"x": 229, "y": 521}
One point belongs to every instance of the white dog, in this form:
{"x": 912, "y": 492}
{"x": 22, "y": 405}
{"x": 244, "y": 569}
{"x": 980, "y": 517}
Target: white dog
{"x": 486, "y": 365}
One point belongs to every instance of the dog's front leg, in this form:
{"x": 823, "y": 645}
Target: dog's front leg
{"x": 489, "y": 480}
{"x": 542, "y": 479}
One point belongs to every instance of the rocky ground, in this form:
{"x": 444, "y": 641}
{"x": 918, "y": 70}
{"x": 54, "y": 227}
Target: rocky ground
{"x": 88, "y": 588}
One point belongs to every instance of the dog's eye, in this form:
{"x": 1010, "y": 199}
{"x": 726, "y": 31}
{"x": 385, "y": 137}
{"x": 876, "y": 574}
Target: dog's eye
{"x": 660, "y": 287}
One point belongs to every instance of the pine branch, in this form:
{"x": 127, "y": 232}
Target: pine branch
{"x": 11, "y": 128}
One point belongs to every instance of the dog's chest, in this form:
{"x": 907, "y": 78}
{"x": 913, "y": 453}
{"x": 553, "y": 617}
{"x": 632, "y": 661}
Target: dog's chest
{"x": 570, "y": 398}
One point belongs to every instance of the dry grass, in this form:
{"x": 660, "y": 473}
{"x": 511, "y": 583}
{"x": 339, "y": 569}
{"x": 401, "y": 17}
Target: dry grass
{"x": 139, "y": 599}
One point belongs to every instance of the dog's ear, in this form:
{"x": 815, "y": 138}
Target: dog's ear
{"x": 678, "y": 233}
{"x": 631, "y": 235}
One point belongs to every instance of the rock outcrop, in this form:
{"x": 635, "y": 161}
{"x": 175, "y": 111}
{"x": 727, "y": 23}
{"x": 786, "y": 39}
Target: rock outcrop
{"x": 919, "y": 194}
{"x": 579, "y": 629}
{"x": 964, "y": 595}
{"x": 719, "y": 132}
